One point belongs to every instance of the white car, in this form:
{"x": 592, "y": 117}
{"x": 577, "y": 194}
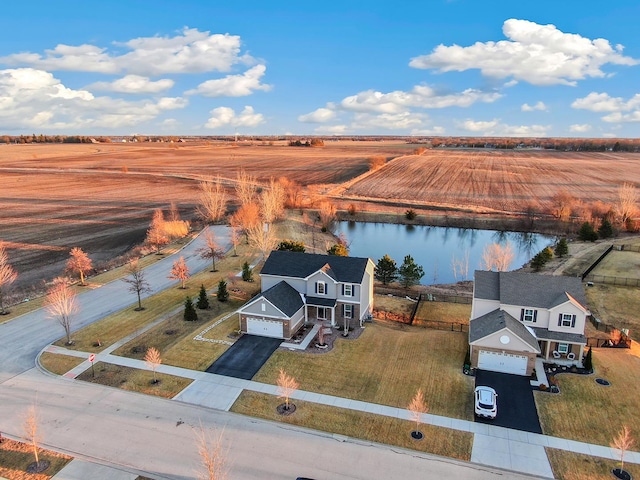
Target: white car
{"x": 486, "y": 402}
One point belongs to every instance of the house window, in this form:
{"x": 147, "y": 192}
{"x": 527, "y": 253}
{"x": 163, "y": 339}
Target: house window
{"x": 563, "y": 348}
{"x": 263, "y": 307}
{"x": 347, "y": 311}
{"x": 528, "y": 315}
{"x": 347, "y": 290}
{"x": 566, "y": 320}
{"x": 321, "y": 288}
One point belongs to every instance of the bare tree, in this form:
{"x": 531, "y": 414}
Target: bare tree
{"x": 623, "y": 442}
{"x": 562, "y": 203}
{"x": 213, "y": 200}
{"x": 61, "y": 304}
{"x": 211, "y": 250}
{"x": 376, "y": 162}
{"x": 137, "y": 282}
{"x": 235, "y": 239}
{"x": 246, "y": 217}
{"x": 7, "y": 276}
{"x": 272, "y": 201}
{"x": 417, "y": 407}
{"x": 261, "y": 236}
{"x": 153, "y": 361}
{"x": 327, "y": 214}
{"x": 156, "y": 235}
{"x": 286, "y": 386}
{"x": 212, "y": 456}
{"x": 179, "y": 271}
{"x": 246, "y": 188}
{"x": 79, "y": 262}
{"x": 292, "y": 192}
{"x": 32, "y": 432}
{"x": 627, "y": 201}
{"x": 174, "y": 212}
{"x": 498, "y": 257}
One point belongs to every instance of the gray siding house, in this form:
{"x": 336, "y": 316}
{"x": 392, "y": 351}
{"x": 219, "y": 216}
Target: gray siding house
{"x": 299, "y": 288}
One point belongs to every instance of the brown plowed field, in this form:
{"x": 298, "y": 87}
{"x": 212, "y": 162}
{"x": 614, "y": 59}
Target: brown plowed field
{"x": 54, "y": 197}
{"x": 501, "y": 180}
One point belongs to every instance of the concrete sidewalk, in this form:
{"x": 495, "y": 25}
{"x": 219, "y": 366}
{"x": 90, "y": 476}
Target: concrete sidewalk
{"x": 492, "y": 446}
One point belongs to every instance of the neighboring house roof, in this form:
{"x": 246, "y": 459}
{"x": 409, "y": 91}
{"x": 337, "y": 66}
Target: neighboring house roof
{"x": 544, "y": 334}
{"x": 301, "y": 265}
{"x": 497, "y": 320}
{"x": 284, "y": 297}
{"x": 528, "y": 289}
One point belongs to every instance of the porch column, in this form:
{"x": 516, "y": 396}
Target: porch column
{"x": 581, "y": 355}
{"x": 306, "y": 314}
{"x": 546, "y": 350}
{"x": 333, "y": 316}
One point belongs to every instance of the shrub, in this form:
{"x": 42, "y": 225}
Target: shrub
{"x": 203, "y": 299}
{"x": 190, "y": 314}
{"x": 291, "y": 246}
{"x": 351, "y": 209}
{"x": 588, "y": 361}
{"x": 339, "y": 249}
{"x": 247, "y": 272}
{"x": 543, "y": 387}
{"x": 562, "y": 248}
{"x": 223, "y": 294}
{"x": 410, "y": 214}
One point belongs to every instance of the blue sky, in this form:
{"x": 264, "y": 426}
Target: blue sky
{"x": 441, "y": 67}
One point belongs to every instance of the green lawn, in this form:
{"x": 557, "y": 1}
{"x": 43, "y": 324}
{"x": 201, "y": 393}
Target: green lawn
{"x": 442, "y": 312}
{"x": 386, "y": 365}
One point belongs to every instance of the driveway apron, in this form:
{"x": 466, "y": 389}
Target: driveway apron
{"x": 245, "y": 357}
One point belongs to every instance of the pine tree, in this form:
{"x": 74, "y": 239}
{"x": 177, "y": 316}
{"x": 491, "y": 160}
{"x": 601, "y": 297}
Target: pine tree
{"x": 562, "y": 248}
{"x": 587, "y": 233}
{"x": 223, "y": 294}
{"x": 190, "y": 314}
{"x": 606, "y": 229}
{"x": 247, "y": 272}
{"x": 410, "y": 272}
{"x": 538, "y": 262}
{"x": 203, "y": 299}
{"x": 386, "y": 270}
{"x": 588, "y": 361}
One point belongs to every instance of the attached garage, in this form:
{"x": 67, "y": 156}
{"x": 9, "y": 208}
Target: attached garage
{"x": 265, "y": 328}
{"x": 502, "y": 362}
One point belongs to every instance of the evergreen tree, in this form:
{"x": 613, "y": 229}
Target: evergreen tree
{"x": 190, "y": 314}
{"x": 339, "y": 249}
{"x": 588, "y": 361}
{"x": 247, "y": 272}
{"x": 562, "y": 248}
{"x": 538, "y": 262}
{"x": 547, "y": 254}
{"x": 386, "y": 270}
{"x": 203, "y": 299}
{"x": 587, "y": 233}
{"x": 410, "y": 273}
{"x": 223, "y": 294}
{"x": 606, "y": 229}
{"x": 291, "y": 246}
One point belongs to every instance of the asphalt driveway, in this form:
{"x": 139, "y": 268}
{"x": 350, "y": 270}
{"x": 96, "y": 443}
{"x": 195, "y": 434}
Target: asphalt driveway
{"x": 516, "y": 407}
{"x": 245, "y": 357}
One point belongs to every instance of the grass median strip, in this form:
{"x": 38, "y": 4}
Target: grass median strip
{"x": 366, "y": 426}
{"x": 15, "y": 457}
{"x": 58, "y": 363}
{"x": 386, "y": 365}
{"x": 575, "y": 466}
{"x": 135, "y": 380}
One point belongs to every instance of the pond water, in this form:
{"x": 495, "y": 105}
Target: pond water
{"x": 437, "y": 249}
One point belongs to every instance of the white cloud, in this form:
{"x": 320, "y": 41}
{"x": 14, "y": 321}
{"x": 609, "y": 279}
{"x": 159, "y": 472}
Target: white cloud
{"x": 429, "y": 131}
{"x": 530, "y": 108}
{"x": 421, "y": 96}
{"x": 537, "y": 54}
{"x": 31, "y": 98}
{"x": 579, "y": 128}
{"x": 332, "y": 129}
{"x": 233, "y": 85}
{"x": 192, "y": 51}
{"x": 225, "y": 116}
{"x": 610, "y": 135}
{"x": 388, "y": 121}
{"x": 496, "y": 129}
{"x": 133, "y": 84}
{"x": 619, "y": 110}
{"x": 320, "y": 115}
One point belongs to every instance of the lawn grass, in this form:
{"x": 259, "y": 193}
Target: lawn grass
{"x": 398, "y": 305}
{"x": 385, "y": 365}
{"x": 367, "y": 426}
{"x": 127, "y": 321}
{"x": 173, "y": 338}
{"x": 618, "y": 306}
{"x": 575, "y": 466}
{"x": 442, "y": 312}
{"x": 617, "y": 263}
{"x": 135, "y": 380}
{"x": 58, "y": 363}
{"x": 588, "y": 412}
{"x": 15, "y": 457}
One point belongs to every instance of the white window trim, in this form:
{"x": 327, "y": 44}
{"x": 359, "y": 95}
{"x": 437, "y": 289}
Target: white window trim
{"x": 567, "y": 318}
{"x": 349, "y": 307}
{"x": 324, "y": 313}
{"x": 321, "y": 286}
{"x": 530, "y": 313}
{"x": 563, "y": 348}
{"x": 351, "y": 290}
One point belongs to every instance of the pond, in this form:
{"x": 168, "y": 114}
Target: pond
{"x": 438, "y": 249}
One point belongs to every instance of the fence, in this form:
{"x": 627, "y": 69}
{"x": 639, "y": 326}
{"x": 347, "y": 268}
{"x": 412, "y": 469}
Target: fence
{"x": 440, "y": 325}
{"x": 610, "y": 280}
{"x": 605, "y": 342}
{"x": 630, "y": 248}
{"x": 430, "y": 297}
{"x": 595, "y": 264}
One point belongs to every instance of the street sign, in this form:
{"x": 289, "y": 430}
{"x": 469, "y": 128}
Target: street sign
{"x": 92, "y": 357}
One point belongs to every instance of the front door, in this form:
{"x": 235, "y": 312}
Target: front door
{"x": 322, "y": 313}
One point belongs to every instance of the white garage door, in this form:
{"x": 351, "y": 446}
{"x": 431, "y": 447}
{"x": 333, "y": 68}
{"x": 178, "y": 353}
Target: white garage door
{"x": 265, "y": 328}
{"x": 502, "y": 362}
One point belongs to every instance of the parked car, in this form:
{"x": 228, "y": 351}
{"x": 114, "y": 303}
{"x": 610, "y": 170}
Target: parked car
{"x": 486, "y": 402}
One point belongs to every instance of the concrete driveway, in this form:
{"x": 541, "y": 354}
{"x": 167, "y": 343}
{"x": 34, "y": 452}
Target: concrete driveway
{"x": 245, "y": 357}
{"x": 516, "y": 407}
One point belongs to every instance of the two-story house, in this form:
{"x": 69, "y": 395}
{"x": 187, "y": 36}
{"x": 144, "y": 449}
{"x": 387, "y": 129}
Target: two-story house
{"x": 516, "y": 317}
{"x": 297, "y": 288}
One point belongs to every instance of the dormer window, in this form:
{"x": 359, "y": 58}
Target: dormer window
{"x": 321, "y": 288}
{"x": 566, "y": 320}
{"x": 347, "y": 290}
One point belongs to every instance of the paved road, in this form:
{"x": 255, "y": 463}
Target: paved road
{"x": 21, "y": 339}
{"x": 153, "y": 435}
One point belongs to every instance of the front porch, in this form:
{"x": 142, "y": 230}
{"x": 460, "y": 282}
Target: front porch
{"x": 565, "y": 349}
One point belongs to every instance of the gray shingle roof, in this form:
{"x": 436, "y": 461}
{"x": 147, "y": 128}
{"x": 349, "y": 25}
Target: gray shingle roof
{"x": 301, "y": 265}
{"x": 497, "y": 320}
{"x": 321, "y": 302}
{"x": 544, "y": 334}
{"x": 528, "y": 289}
{"x": 284, "y": 297}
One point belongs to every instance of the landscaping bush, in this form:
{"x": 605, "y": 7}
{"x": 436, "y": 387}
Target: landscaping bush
{"x": 351, "y": 209}
{"x": 190, "y": 314}
{"x": 203, "y": 299}
{"x": 410, "y": 214}
{"x": 588, "y": 361}
{"x": 247, "y": 272}
{"x": 223, "y": 294}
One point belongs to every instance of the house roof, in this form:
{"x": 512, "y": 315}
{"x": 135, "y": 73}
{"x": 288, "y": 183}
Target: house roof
{"x": 301, "y": 265}
{"x": 320, "y": 302}
{"x": 544, "y": 334}
{"x": 528, "y": 289}
{"x": 284, "y": 297}
{"x": 497, "y": 320}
